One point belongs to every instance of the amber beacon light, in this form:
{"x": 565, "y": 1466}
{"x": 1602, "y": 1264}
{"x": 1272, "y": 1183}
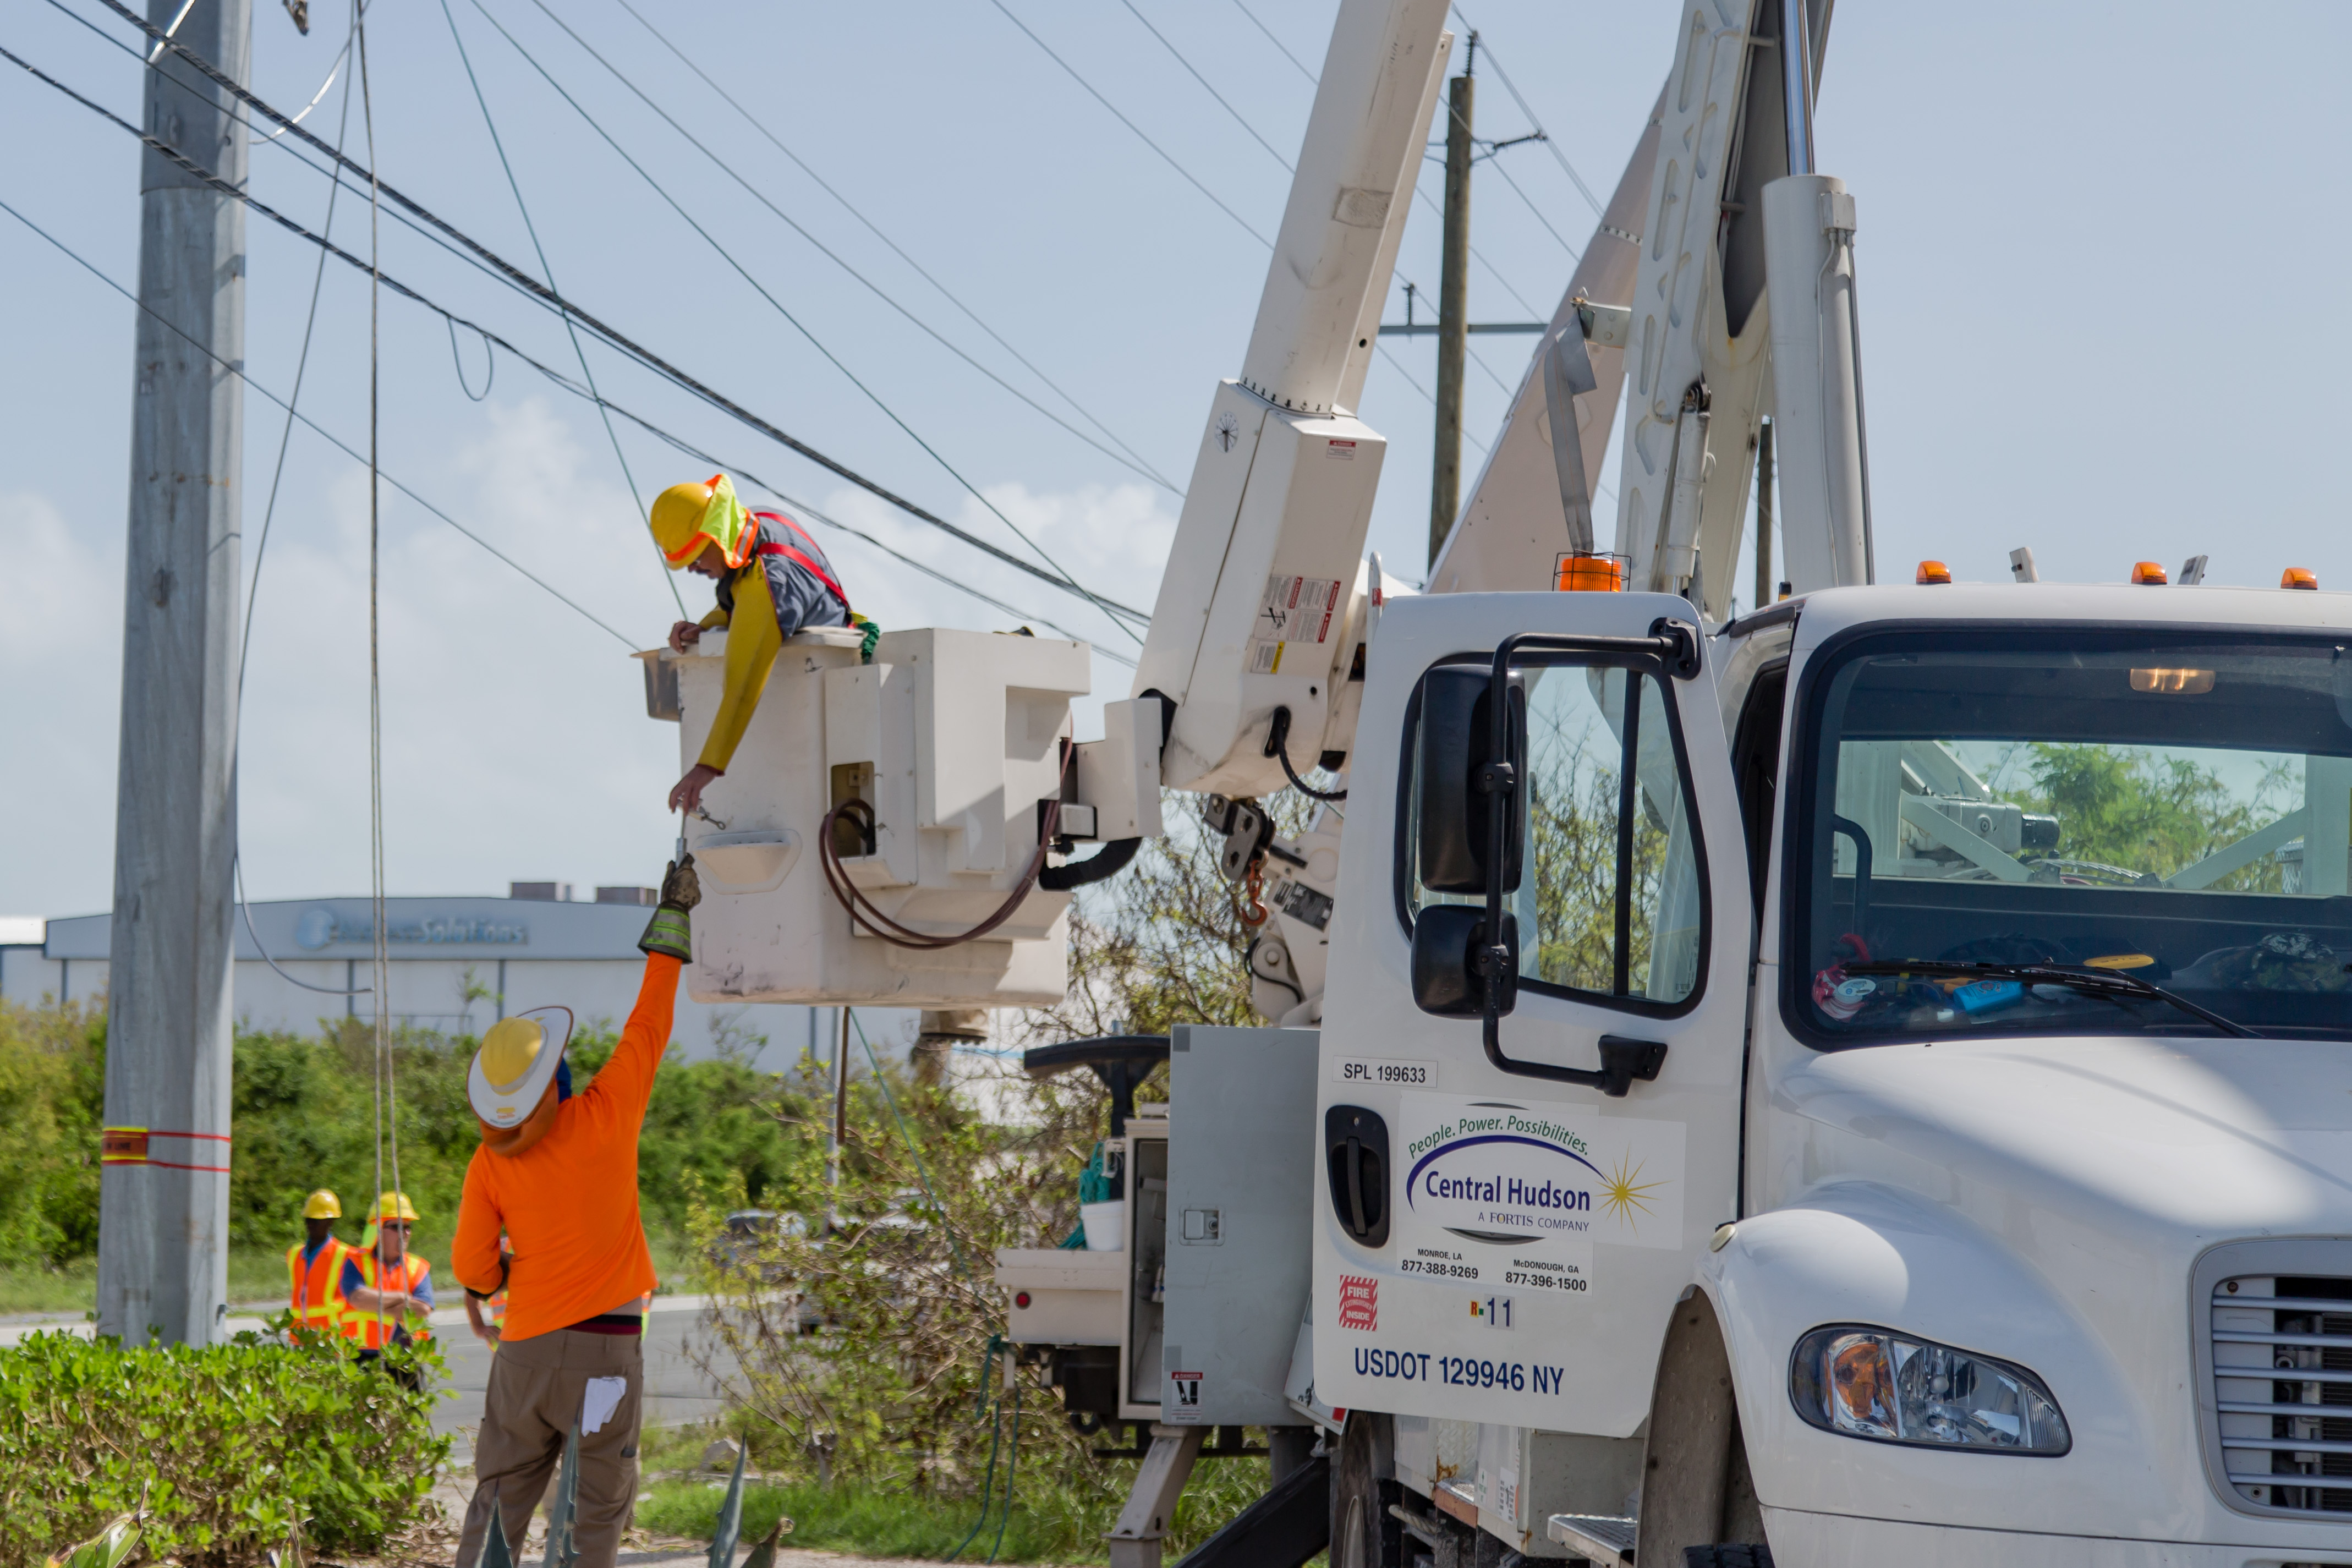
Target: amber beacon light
{"x": 1581, "y": 571}
{"x": 2149, "y": 573}
{"x": 2299, "y": 577}
{"x": 1932, "y": 572}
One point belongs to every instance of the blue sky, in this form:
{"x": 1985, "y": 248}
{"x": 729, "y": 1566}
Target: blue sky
{"x": 2098, "y": 274}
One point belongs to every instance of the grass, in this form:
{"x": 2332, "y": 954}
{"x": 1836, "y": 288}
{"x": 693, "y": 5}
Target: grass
{"x": 257, "y": 1277}
{"x": 1057, "y": 1519}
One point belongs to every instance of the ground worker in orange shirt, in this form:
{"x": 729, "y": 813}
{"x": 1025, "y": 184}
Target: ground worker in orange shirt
{"x": 772, "y": 582}
{"x": 559, "y": 1171}
{"x": 314, "y": 1266}
{"x": 387, "y": 1289}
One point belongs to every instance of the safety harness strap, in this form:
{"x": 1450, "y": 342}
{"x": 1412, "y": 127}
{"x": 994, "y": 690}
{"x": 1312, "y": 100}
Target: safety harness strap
{"x": 776, "y": 547}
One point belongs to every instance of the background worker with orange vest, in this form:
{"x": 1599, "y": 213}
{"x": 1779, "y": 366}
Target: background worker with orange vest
{"x": 314, "y": 1266}
{"x": 387, "y": 1289}
{"x": 558, "y": 1171}
{"x": 773, "y": 582}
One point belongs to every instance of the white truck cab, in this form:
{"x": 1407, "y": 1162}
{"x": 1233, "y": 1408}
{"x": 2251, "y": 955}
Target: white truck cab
{"x": 1887, "y": 1064}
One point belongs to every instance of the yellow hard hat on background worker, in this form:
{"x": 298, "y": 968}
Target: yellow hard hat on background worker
{"x": 322, "y": 1205}
{"x": 394, "y": 1205}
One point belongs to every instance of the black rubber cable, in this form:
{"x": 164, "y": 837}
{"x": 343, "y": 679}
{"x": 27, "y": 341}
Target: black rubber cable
{"x": 1277, "y": 745}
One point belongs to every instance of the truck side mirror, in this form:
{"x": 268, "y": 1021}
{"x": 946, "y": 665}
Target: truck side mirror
{"x": 1456, "y": 738}
{"x": 1356, "y": 1148}
{"x": 1449, "y": 943}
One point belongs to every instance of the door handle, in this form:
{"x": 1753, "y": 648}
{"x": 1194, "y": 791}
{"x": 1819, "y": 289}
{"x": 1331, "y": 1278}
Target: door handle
{"x": 1356, "y": 1152}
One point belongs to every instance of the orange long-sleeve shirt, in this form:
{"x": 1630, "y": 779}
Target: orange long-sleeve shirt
{"x": 569, "y": 1203}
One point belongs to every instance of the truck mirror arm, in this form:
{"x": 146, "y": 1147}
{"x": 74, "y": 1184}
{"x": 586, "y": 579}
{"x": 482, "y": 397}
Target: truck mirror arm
{"x": 1672, "y": 648}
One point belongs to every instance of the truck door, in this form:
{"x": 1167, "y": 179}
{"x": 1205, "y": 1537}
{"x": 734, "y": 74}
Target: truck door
{"x": 1503, "y": 1226}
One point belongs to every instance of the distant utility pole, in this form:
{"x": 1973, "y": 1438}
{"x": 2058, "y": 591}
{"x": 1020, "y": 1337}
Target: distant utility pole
{"x": 1763, "y": 515}
{"x": 1452, "y": 308}
{"x": 162, "y": 1257}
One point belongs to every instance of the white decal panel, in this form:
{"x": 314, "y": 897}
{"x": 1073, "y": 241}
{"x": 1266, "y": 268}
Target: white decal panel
{"x": 1506, "y": 1219}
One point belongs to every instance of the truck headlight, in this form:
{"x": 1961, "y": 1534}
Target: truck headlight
{"x": 1875, "y": 1383}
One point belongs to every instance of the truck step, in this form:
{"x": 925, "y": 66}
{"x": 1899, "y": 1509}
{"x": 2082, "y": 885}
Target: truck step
{"x": 1604, "y": 1537}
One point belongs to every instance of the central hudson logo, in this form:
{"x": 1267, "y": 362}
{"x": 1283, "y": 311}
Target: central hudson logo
{"x": 1360, "y": 1302}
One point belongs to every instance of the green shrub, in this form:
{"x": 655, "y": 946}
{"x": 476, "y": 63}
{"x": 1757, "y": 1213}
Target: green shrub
{"x": 233, "y": 1446}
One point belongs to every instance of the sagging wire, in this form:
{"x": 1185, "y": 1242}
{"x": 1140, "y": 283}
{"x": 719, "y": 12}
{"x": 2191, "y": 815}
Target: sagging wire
{"x": 489, "y": 356}
{"x": 481, "y": 256}
{"x": 571, "y": 329}
{"x": 387, "y": 1086}
{"x": 815, "y": 342}
{"x": 829, "y": 254}
{"x": 261, "y": 548}
{"x": 734, "y": 101}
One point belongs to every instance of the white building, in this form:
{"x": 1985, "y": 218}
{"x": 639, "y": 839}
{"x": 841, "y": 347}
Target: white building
{"x": 458, "y": 966}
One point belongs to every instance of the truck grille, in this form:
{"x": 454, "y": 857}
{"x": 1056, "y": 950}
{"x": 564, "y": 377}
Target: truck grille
{"x": 2281, "y": 1350}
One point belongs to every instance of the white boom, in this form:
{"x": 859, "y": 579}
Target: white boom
{"x": 1255, "y": 604}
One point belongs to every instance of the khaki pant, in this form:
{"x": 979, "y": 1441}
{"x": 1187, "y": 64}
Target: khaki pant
{"x": 537, "y": 1388}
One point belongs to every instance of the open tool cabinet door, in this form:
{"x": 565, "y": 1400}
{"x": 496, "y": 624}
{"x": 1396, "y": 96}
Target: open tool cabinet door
{"x": 1508, "y": 1209}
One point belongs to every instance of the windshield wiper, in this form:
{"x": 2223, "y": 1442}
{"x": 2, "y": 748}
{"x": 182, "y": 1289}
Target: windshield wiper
{"x": 2096, "y": 981}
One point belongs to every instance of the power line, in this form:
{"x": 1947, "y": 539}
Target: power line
{"x": 670, "y": 578}
{"x": 524, "y": 282}
{"x": 799, "y": 326}
{"x": 1212, "y": 91}
{"x": 1566, "y": 167}
{"x": 830, "y": 254}
{"x": 574, "y": 387}
{"x": 1277, "y": 43}
{"x": 734, "y": 102}
{"x": 332, "y": 439}
{"x": 1190, "y": 178}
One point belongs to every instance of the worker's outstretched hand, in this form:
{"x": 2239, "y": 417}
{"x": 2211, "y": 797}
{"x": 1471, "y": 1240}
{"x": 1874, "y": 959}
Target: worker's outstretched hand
{"x": 681, "y": 887}
{"x": 670, "y": 932}
{"x": 688, "y": 793}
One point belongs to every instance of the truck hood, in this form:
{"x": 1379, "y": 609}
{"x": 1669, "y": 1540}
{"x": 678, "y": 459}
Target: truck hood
{"x": 2200, "y": 1139}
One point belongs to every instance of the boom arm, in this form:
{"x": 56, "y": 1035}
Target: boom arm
{"x": 1255, "y": 604}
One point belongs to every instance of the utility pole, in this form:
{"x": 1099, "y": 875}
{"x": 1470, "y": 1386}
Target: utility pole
{"x": 1452, "y": 308}
{"x": 162, "y": 1258}
{"x": 1763, "y": 515}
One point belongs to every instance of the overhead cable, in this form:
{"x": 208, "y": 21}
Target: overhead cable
{"x": 1566, "y": 167}
{"x": 518, "y": 278}
{"x": 735, "y": 102}
{"x": 1242, "y": 121}
{"x": 628, "y": 479}
{"x": 312, "y": 424}
{"x": 1165, "y": 156}
{"x": 574, "y": 387}
{"x": 829, "y": 254}
{"x": 800, "y": 327}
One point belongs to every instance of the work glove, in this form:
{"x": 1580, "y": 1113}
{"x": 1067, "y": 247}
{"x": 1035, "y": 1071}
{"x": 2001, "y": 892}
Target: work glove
{"x": 671, "y": 932}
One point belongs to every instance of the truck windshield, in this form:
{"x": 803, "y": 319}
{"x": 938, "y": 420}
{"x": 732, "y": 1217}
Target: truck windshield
{"x": 2174, "y": 812}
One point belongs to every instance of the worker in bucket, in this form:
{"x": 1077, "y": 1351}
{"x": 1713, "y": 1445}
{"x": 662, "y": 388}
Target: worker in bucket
{"x": 558, "y": 1173}
{"x": 314, "y": 1267}
{"x": 774, "y": 580}
{"x": 387, "y": 1289}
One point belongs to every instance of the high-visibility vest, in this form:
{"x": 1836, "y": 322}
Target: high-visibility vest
{"x": 316, "y": 1291}
{"x": 371, "y": 1330}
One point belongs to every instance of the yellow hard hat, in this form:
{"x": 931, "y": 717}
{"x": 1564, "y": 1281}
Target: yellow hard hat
{"x": 511, "y": 1070}
{"x": 687, "y": 518}
{"x": 391, "y": 1205}
{"x": 322, "y": 1205}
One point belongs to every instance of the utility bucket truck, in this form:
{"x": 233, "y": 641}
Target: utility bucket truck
{"x": 1868, "y": 1081}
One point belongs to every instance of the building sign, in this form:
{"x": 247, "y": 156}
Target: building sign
{"x": 321, "y": 927}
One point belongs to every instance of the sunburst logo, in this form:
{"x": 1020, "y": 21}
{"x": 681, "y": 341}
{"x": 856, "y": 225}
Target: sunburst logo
{"x": 1624, "y": 1191}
